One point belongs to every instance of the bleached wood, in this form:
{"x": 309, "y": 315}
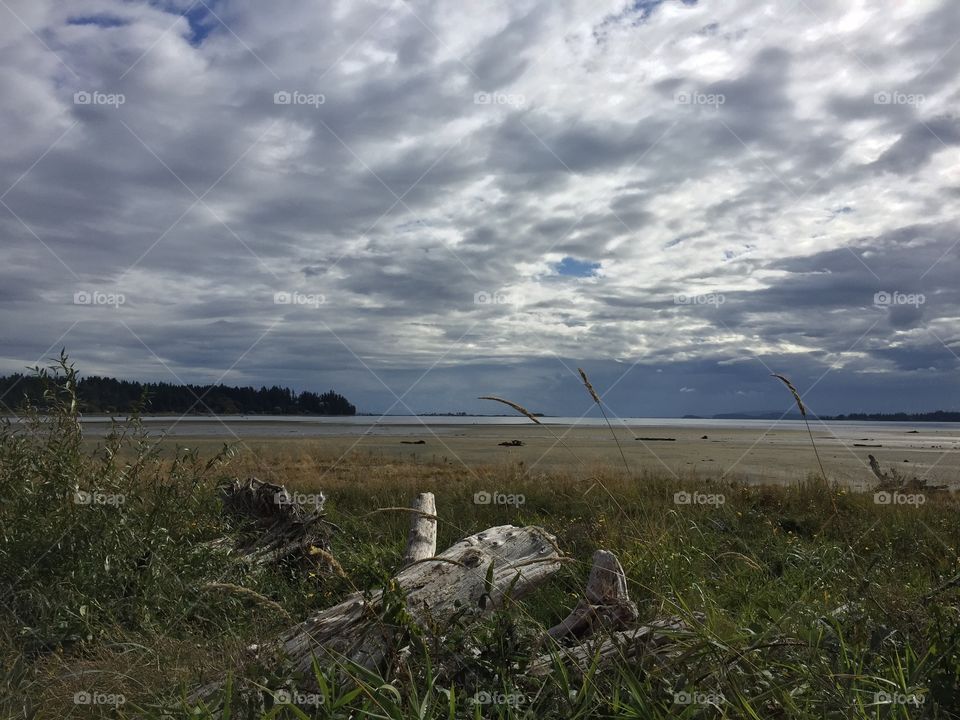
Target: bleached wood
{"x": 606, "y": 601}
{"x": 422, "y": 539}
{"x": 652, "y": 637}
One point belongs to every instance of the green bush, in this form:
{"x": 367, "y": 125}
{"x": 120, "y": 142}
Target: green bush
{"x": 95, "y": 539}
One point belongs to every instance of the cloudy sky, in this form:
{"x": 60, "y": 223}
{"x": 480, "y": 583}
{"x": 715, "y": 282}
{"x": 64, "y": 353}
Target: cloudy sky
{"x": 420, "y": 202}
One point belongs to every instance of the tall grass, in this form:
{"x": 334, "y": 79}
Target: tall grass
{"x": 596, "y": 398}
{"x": 803, "y": 413}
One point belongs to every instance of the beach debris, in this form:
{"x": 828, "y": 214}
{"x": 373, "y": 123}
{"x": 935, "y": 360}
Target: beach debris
{"x": 511, "y": 443}
{"x": 413, "y": 442}
{"x": 656, "y": 439}
{"x": 895, "y": 481}
{"x": 274, "y": 525}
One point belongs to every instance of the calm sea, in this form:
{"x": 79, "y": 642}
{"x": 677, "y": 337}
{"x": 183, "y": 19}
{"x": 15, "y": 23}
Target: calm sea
{"x": 294, "y": 426}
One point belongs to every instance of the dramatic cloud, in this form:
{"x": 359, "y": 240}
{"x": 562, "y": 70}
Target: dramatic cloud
{"x": 428, "y": 200}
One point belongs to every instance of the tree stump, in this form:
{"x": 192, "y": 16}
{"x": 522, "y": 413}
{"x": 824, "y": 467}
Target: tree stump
{"x": 276, "y": 526}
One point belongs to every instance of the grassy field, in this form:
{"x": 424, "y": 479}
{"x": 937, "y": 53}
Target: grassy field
{"x": 805, "y": 601}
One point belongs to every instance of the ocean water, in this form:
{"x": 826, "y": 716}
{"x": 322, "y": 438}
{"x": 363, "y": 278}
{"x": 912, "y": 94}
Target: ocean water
{"x": 298, "y": 426}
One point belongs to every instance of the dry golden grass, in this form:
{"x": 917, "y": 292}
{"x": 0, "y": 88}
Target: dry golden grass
{"x": 519, "y": 408}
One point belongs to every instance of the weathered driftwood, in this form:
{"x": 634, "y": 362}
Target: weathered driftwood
{"x": 479, "y": 572}
{"x": 606, "y": 603}
{"x": 422, "y": 540}
{"x": 277, "y": 526}
{"x": 476, "y": 575}
{"x": 898, "y": 482}
{"x": 604, "y": 649}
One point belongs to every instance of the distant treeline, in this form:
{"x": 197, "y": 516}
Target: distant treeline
{"x": 109, "y": 395}
{"x": 936, "y": 416}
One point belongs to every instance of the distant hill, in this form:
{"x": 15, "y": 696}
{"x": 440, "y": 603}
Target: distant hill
{"x": 935, "y": 416}
{"x": 109, "y": 395}
{"x": 758, "y": 416}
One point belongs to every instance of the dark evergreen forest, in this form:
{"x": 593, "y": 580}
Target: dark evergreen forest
{"x": 109, "y": 395}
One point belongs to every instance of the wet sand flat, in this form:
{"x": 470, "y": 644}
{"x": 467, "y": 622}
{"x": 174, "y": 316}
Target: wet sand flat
{"x": 766, "y": 453}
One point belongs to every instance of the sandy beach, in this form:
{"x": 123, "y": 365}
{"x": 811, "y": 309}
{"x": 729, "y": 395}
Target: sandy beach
{"x": 752, "y": 451}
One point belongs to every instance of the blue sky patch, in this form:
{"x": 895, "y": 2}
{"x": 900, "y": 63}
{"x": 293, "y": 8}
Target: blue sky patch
{"x": 198, "y": 14}
{"x": 104, "y": 21}
{"x": 202, "y": 21}
{"x": 640, "y": 10}
{"x": 571, "y": 267}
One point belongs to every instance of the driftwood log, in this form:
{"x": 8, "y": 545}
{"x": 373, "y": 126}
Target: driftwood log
{"x": 480, "y": 572}
{"x": 473, "y": 577}
{"x": 275, "y": 525}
